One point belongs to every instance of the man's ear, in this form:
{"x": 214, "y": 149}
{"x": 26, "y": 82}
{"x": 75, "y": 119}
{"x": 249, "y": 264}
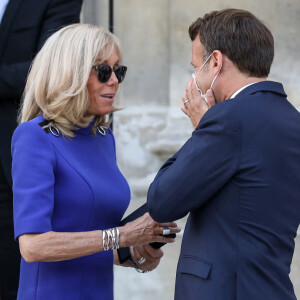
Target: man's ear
{"x": 217, "y": 58}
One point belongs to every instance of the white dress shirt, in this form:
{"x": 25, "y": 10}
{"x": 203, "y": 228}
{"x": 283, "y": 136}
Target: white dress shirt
{"x": 238, "y": 91}
{"x": 3, "y": 4}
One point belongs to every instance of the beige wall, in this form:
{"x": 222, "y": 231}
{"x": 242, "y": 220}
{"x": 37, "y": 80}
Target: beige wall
{"x": 157, "y": 47}
{"x": 157, "y": 51}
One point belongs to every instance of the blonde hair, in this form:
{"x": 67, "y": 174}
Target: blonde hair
{"x": 57, "y": 83}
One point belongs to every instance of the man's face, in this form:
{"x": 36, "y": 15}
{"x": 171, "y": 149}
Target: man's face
{"x": 203, "y": 77}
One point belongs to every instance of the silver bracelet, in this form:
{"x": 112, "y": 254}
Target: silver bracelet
{"x": 118, "y": 238}
{"x": 113, "y": 236}
{"x": 103, "y": 239}
{"x": 113, "y": 239}
{"x": 106, "y": 244}
{"x": 109, "y": 238}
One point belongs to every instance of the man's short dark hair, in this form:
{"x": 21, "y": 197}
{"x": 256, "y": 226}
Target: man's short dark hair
{"x": 245, "y": 40}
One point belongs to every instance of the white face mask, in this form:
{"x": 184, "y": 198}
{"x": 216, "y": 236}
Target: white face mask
{"x": 195, "y": 76}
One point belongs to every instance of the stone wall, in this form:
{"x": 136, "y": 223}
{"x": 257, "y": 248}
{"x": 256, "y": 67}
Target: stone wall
{"x": 151, "y": 126}
{"x": 157, "y": 50}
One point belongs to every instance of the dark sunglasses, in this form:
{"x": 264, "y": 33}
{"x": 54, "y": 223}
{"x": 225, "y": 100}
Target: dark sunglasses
{"x": 104, "y": 72}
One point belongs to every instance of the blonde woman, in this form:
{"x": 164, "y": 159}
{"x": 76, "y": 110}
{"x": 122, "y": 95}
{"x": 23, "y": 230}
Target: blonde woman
{"x": 69, "y": 195}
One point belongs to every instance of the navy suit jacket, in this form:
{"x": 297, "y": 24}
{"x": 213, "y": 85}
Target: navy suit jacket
{"x": 25, "y": 26}
{"x": 238, "y": 177}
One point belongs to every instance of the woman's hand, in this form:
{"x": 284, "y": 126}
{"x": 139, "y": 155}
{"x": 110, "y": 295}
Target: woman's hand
{"x": 194, "y": 106}
{"x": 57, "y": 246}
{"x": 146, "y": 257}
{"x": 145, "y": 230}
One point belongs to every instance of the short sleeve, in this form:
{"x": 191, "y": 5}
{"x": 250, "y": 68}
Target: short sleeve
{"x": 33, "y": 179}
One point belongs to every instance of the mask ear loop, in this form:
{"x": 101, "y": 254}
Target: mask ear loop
{"x": 194, "y": 75}
{"x": 204, "y": 95}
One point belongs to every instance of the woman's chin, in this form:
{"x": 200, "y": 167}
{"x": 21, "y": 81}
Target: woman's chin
{"x": 100, "y": 112}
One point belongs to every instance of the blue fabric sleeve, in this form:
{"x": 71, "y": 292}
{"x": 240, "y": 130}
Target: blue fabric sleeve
{"x": 33, "y": 179}
{"x": 199, "y": 169}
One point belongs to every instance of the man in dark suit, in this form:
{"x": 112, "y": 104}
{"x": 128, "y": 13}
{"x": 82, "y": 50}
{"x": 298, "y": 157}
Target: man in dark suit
{"x": 238, "y": 175}
{"x": 25, "y": 25}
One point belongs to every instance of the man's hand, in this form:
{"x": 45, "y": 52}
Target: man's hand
{"x": 194, "y": 106}
{"x": 149, "y": 255}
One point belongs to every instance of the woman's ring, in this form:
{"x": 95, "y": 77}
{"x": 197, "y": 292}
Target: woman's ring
{"x": 166, "y": 230}
{"x": 141, "y": 260}
{"x": 186, "y": 101}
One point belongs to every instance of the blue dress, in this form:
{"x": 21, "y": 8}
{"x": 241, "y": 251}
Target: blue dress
{"x": 66, "y": 185}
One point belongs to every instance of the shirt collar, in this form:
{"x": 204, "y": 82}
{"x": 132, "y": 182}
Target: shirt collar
{"x": 238, "y": 91}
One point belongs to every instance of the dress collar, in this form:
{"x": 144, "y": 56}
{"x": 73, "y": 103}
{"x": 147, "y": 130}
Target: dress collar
{"x": 85, "y": 130}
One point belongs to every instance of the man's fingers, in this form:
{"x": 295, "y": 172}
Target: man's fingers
{"x": 184, "y": 109}
{"x": 135, "y": 254}
{"x": 210, "y": 98}
{"x": 189, "y": 90}
{"x": 184, "y": 97}
{"x": 195, "y": 93}
{"x": 156, "y": 253}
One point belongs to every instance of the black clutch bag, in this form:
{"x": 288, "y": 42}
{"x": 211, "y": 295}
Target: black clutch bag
{"x": 124, "y": 253}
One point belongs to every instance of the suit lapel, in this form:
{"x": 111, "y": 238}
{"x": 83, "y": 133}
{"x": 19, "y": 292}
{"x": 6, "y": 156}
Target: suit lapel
{"x": 6, "y": 22}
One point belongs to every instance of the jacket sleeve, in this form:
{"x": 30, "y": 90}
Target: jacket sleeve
{"x": 33, "y": 168}
{"x": 58, "y": 14}
{"x": 204, "y": 164}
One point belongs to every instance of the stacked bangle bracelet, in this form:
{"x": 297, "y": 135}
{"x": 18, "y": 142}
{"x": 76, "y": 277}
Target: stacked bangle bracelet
{"x": 111, "y": 239}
